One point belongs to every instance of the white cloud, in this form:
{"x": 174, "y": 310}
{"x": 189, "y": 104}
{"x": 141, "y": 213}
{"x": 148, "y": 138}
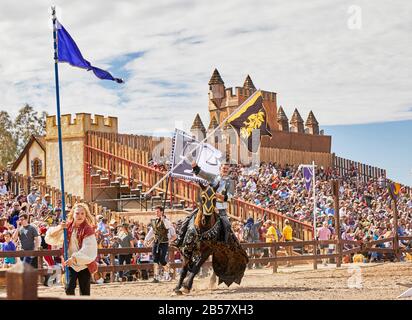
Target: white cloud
{"x": 301, "y": 50}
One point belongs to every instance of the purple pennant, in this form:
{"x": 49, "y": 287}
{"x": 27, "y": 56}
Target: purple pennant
{"x": 307, "y": 174}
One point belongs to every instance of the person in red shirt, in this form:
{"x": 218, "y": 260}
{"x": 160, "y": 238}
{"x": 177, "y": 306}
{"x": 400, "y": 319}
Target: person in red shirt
{"x": 2, "y": 228}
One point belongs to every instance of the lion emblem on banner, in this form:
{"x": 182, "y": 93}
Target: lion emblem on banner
{"x": 254, "y": 121}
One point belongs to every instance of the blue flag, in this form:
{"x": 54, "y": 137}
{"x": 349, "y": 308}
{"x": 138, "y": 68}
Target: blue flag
{"x": 308, "y": 174}
{"x": 67, "y": 51}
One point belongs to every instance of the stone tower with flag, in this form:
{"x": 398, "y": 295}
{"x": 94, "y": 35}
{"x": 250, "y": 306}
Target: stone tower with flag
{"x": 223, "y": 101}
{"x": 294, "y": 135}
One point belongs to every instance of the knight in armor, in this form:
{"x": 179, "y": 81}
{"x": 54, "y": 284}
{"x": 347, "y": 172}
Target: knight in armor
{"x": 224, "y": 186}
{"x": 159, "y": 230}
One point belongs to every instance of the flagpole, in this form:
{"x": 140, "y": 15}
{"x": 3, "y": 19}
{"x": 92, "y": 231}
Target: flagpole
{"x": 59, "y": 130}
{"x": 205, "y": 139}
{"x": 314, "y": 199}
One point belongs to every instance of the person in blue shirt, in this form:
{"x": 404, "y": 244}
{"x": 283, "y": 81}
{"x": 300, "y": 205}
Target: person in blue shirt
{"x": 8, "y": 245}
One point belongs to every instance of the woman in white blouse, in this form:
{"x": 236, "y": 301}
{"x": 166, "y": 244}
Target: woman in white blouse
{"x": 82, "y": 247}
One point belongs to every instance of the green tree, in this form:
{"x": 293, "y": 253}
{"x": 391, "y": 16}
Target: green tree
{"x": 8, "y": 143}
{"x": 28, "y": 122}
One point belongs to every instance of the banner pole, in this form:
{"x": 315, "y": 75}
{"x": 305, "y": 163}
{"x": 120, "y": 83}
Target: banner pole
{"x": 59, "y": 129}
{"x": 314, "y": 199}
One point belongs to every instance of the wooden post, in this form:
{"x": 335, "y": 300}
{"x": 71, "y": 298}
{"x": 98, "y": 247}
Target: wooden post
{"x": 39, "y": 266}
{"x": 172, "y": 260}
{"x": 275, "y": 263}
{"x": 395, "y": 231}
{"x": 315, "y": 255}
{"x": 21, "y": 282}
{"x": 112, "y": 257}
{"x": 335, "y": 192}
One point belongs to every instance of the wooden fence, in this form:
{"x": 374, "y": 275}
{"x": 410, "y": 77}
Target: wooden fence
{"x": 181, "y": 191}
{"x": 308, "y": 252}
{"x": 363, "y": 171}
{"x": 294, "y": 157}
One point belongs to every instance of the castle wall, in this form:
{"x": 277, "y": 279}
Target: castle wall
{"x": 73, "y": 136}
{"x": 298, "y": 141}
{"x": 72, "y": 162}
{"x": 295, "y": 157}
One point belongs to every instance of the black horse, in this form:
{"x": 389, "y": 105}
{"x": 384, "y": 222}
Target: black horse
{"x": 205, "y": 236}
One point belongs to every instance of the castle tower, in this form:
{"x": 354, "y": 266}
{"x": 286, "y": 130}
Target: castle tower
{"x": 214, "y": 139}
{"x": 223, "y": 101}
{"x": 296, "y": 123}
{"x": 216, "y": 95}
{"x": 248, "y": 84}
{"x": 312, "y": 124}
{"x": 198, "y": 130}
{"x": 283, "y": 121}
{"x": 74, "y": 139}
{"x": 213, "y": 124}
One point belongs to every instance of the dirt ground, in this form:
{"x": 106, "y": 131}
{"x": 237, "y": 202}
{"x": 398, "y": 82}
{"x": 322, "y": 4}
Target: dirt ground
{"x": 352, "y": 281}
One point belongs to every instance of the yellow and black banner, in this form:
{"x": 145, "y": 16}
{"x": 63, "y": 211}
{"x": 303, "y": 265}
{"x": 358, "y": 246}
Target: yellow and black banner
{"x": 394, "y": 190}
{"x": 250, "y": 118}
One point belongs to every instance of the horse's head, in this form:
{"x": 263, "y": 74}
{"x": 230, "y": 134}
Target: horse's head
{"x": 208, "y": 200}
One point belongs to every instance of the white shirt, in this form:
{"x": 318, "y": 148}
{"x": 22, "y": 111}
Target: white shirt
{"x": 84, "y": 255}
{"x": 171, "y": 232}
{"x": 3, "y": 190}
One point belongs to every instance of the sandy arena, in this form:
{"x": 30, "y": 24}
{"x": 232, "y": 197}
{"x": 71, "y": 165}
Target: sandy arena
{"x": 353, "y": 281}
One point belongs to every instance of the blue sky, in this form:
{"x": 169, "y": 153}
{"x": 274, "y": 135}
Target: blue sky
{"x": 387, "y": 145}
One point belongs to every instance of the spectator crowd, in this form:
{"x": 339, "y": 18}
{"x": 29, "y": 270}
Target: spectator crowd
{"x": 365, "y": 210}
{"x": 25, "y": 219}
{"x": 365, "y": 214}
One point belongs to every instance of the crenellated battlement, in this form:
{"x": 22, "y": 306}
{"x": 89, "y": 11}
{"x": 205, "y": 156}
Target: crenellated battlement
{"x": 75, "y": 127}
{"x": 242, "y": 93}
{"x": 223, "y": 100}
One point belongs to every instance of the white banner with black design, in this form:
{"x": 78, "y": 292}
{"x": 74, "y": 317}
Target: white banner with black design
{"x": 188, "y": 149}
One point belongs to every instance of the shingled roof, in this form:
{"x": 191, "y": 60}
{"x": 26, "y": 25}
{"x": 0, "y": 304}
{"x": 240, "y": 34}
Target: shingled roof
{"x": 249, "y": 83}
{"x": 296, "y": 118}
{"x": 216, "y": 78}
{"x": 281, "y": 114}
{"x": 197, "y": 123}
{"x": 213, "y": 123}
{"x": 311, "y": 119}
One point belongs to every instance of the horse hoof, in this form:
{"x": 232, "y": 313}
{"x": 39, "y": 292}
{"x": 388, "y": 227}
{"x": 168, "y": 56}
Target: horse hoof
{"x": 185, "y": 290}
{"x": 177, "y": 293}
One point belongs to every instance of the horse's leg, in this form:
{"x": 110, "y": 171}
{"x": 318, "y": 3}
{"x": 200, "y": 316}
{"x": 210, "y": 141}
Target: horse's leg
{"x": 212, "y": 281}
{"x": 187, "y": 285}
{"x": 183, "y": 274}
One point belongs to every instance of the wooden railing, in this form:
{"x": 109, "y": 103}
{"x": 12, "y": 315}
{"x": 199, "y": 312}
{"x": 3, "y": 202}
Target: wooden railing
{"x": 181, "y": 191}
{"x": 308, "y": 251}
{"x": 243, "y": 210}
{"x": 364, "y": 172}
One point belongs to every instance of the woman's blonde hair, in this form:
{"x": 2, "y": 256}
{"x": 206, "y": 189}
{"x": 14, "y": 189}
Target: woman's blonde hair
{"x": 89, "y": 218}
